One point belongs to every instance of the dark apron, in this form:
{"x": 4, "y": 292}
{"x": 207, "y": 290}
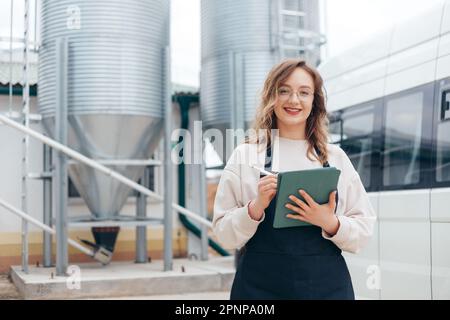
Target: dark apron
{"x": 290, "y": 263}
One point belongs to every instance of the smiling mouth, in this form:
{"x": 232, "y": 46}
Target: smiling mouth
{"x": 293, "y": 111}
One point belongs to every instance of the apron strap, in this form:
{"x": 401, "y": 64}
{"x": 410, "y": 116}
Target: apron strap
{"x": 326, "y": 164}
{"x": 268, "y": 159}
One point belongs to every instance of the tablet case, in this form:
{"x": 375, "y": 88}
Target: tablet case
{"x": 318, "y": 183}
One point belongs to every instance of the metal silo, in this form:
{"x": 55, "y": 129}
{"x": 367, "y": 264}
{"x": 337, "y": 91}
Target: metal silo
{"x": 241, "y": 41}
{"x": 115, "y": 87}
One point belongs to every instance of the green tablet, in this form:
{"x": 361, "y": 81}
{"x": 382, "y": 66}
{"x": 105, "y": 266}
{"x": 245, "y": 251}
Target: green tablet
{"x": 318, "y": 183}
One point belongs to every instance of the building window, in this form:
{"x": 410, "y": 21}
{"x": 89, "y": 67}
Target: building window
{"x": 357, "y": 143}
{"x": 402, "y": 140}
{"x": 353, "y": 130}
{"x": 443, "y": 140}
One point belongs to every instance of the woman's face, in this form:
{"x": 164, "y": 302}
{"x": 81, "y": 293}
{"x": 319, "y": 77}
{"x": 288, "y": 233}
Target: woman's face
{"x": 295, "y": 99}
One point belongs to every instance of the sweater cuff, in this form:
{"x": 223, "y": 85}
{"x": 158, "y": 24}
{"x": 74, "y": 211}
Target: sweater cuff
{"x": 247, "y": 222}
{"x": 343, "y": 232}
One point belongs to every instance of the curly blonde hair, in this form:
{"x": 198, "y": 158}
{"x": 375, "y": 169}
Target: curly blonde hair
{"x": 317, "y": 122}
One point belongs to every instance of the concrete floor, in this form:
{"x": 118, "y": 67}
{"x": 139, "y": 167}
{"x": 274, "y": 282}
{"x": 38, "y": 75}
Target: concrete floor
{"x": 7, "y": 289}
{"x": 189, "y": 279}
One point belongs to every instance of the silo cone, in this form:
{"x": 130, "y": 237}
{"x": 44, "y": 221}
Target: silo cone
{"x": 115, "y": 91}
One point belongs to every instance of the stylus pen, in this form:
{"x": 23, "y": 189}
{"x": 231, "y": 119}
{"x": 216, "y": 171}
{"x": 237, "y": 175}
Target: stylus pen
{"x": 267, "y": 173}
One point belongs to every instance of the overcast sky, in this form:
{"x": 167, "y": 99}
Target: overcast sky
{"x": 346, "y": 23}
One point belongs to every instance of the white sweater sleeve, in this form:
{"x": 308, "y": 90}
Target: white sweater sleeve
{"x": 357, "y": 219}
{"x": 232, "y": 224}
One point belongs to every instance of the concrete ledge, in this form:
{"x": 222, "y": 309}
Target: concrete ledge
{"x": 121, "y": 279}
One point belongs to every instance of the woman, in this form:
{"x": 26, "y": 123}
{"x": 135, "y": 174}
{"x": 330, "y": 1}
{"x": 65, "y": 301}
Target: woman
{"x": 299, "y": 262}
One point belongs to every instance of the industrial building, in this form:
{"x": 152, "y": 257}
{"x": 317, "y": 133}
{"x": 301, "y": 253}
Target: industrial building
{"x": 88, "y": 113}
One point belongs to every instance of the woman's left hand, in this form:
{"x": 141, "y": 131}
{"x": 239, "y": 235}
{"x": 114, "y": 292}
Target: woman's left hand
{"x": 321, "y": 215}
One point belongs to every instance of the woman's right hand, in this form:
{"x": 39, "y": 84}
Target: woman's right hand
{"x": 267, "y": 188}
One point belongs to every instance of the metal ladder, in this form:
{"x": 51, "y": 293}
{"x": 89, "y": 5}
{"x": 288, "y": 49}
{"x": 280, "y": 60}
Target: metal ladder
{"x": 294, "y": 37}
{"x": 26, "y": 117}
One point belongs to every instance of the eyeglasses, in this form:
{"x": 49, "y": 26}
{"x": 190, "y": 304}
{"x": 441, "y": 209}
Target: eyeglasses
{"x": 286, "y": 94}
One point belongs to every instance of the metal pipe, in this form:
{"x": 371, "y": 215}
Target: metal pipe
{"x": 203, "y": 205}
{"x": 124, "y": 162}
{"x": 141, "y": 231}
{"x": 40, "y": 175}
{"x": 44, "y": 227}
{"x": 325, "y": 31}
{"x": 35, "y": 24}
{"x": 10, "y": 57}
{"x": 93, "y": 164}
{"x": 116, "y": 223}
{"x": 279, "y": 29}
{"x": 60, "y": 181}
{"x": 229, "y": 143}
{"x": 293, "y": 13}
{"x": 14, "y": 40}
{"x": 168, "y": 223}
{"x": 47, "y": 247}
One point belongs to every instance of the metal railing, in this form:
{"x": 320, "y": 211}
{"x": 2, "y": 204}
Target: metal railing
{"x": 59, "y": 173}
{"x": 42, "y": 226}
{"x": 97, "y": 166}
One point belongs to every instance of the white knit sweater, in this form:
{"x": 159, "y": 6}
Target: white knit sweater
{"x": 238, "y": 186}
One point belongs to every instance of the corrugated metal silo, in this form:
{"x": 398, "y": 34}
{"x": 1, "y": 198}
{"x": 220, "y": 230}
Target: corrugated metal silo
{"x": 115, "y": 87}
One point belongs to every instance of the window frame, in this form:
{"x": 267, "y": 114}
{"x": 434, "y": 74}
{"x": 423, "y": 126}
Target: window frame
{"x": 425, "y": 166}
{"x": 441, "y": 86}
{"x": 374, "y": 107}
